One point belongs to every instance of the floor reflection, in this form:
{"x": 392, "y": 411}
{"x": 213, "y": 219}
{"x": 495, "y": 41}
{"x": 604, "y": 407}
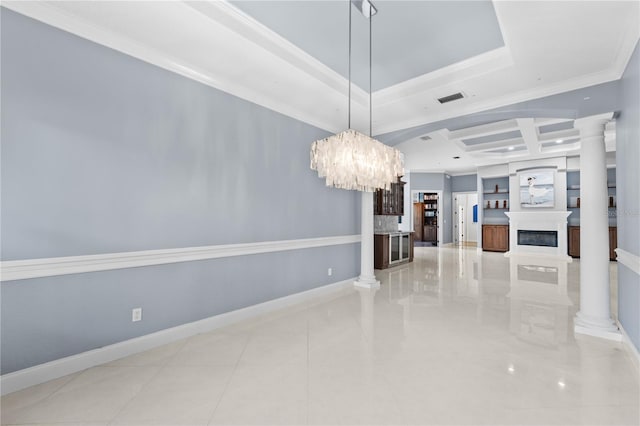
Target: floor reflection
{"x": 528, "y": 297}
{"x": 540, "y": 304}
{"x": 455, "y": 337}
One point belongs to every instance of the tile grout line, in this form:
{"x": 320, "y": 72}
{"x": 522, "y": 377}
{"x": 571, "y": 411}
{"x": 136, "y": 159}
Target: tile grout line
{"x": 50, "y": 395}
{"x": 308, "y": 402}
{"x": 153, "y": 376}
{"x": 226, "y": 386}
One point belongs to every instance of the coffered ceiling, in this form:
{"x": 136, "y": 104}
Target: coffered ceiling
{"x": 292, "y": 56}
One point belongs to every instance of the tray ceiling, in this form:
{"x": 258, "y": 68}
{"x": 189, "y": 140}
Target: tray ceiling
{"x": 409, "y": 38}
{"x": 509, "y": 59}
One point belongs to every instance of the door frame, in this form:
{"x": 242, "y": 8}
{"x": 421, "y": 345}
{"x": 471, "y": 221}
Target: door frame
{"x": 440, "y": 216}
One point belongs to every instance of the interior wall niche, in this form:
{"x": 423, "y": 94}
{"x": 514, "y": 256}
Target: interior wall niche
{"x": 549, "y": 194}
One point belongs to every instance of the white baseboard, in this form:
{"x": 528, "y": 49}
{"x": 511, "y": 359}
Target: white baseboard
{"x": 21, "y": 379}
{"x": 630, "y": 347}
{"x": 615, "y": 336}
{"x": 632, "y": 262}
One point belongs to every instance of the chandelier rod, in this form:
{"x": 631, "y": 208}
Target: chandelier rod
{"x": 370, "y": 66}
{"x": 349, "y": 115}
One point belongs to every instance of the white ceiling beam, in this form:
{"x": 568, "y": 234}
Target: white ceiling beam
{"x": 484, "y": 130}
{"x": 494, "y": 145}
{"x": 529, "y": 134}
{"x": 560, "y": 134}
{"x": 502, "y": 155}
{"x": 560, "y": 148}
{"x": 548, "y": 121}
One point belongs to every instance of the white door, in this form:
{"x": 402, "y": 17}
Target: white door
{"x": 464, "y": 228}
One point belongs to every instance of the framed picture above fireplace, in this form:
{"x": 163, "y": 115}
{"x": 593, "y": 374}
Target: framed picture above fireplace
{"x": 536, "y": 188}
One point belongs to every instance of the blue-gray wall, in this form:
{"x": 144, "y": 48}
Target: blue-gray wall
{"x": 432, "y": 181}
{"x": 104, "y": 153}
{"x": 464, "y": 183}
{"x": 628, "y": 195}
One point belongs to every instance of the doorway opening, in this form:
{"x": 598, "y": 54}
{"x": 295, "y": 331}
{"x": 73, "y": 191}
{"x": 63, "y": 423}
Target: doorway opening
{"x": 426, "y": 217}
{"x": 465, "y": 218}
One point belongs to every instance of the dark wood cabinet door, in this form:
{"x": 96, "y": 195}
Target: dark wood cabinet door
{"x": 613, "y": 242}
{"x": 380, "y": 251}
{"x": 389, "y": 202}
{"x": 574, "y": 241}
{"x": 502, "y": 238}
{"x": 430, "y": 233}
{"x": 495, "y": 238}
{"x": 418, "y": 221}
{"x": 488, "y": 240}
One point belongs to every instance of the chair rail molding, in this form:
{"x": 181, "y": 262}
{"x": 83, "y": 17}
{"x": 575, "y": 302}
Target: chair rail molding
{"x": 629, "y": 260}
{"x": 37, "y": 268}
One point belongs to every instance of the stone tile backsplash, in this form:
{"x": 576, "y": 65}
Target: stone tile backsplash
{"x": 385, "y": 223}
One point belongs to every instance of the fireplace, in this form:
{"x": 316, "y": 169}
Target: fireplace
{"x": 537, "y": 238}
{"x": 539, "y": 233}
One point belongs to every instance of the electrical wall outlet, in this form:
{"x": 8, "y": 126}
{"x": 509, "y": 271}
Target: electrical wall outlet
{"x": 329, "y": 272}
{"x": 136, "y": 314}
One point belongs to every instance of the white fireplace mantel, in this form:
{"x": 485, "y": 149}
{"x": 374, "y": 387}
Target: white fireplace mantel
{"x": 539, "y": 221}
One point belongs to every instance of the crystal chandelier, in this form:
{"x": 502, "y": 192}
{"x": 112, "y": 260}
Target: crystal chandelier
{"x": 353, "y": 160}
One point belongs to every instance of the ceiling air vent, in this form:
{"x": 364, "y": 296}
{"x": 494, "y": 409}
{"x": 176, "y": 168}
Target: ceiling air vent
{"x": 450, "y": 98}
{"x": 425, "y": 138}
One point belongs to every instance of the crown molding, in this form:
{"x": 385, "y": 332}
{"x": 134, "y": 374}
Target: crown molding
{"x": 493, "y": 60}
{"x": 222, "y": 13}
{"x": 501, "y": 101}
{"x": 330, "y": 88}
{"x": 625, "y": 50}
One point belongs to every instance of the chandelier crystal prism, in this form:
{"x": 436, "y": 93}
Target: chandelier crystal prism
{"x": 350, "y": 159}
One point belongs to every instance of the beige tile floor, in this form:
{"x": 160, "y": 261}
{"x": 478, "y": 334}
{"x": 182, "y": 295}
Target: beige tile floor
{"x": 453, "y": 338}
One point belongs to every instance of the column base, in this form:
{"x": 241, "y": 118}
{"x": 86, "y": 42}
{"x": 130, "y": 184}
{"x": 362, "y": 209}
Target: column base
{"x": 367, "y": 282}
{"x": 603, "y": 328}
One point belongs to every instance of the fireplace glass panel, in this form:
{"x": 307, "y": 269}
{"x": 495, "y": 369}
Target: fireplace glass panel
{"x": 538, "y": 238}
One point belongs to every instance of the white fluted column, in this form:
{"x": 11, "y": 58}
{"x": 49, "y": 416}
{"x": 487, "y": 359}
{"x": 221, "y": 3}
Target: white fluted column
{"x": 594, "y": 317}
{"x": 367, "y": 278}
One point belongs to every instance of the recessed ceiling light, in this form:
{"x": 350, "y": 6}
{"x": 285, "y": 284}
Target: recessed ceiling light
{"x": 559, "y": 141}
{"x": 586, "y": 98}
{"x": 511, "y": 148}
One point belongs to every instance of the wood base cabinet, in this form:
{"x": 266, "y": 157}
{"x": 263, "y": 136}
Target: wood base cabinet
{"x": 495, "y": 238}
{"x": 430, "y": 233}
{"x": 418, "y": 221}
{"x": 392, "y": 249}
{"x": 574, "y": 241}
